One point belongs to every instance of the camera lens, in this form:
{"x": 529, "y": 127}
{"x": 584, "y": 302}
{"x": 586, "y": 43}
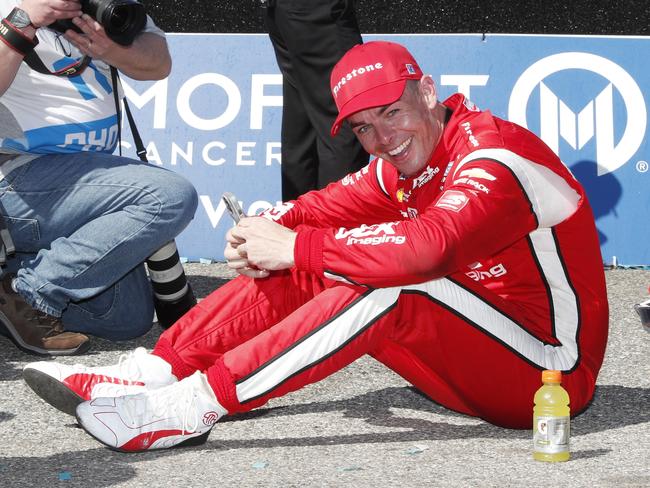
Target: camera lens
{"x": 120, "y": 18}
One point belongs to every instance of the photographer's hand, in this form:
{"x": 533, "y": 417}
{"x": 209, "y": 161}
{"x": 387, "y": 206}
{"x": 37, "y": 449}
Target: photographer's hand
{"x": 93, "y": 42}
{"x": 41, "y": 12}
{"x": 146, "y": 59}
{"x": 44, "y": 12}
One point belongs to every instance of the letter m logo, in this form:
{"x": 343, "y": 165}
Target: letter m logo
{"x": 558, "y": 120}
{"x": 617, "y": 139}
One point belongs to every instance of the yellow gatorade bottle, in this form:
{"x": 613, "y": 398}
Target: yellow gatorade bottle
{"x": 551, "y": 421}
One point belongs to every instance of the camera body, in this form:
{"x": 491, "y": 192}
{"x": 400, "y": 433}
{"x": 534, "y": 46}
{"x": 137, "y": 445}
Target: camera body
{"x": 121, "y": 19}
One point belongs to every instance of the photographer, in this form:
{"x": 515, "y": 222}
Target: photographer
{"x": 82, "y": 220}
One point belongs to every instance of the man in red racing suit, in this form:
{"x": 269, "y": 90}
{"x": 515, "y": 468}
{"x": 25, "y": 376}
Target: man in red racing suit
{"x": 464, "y": 257}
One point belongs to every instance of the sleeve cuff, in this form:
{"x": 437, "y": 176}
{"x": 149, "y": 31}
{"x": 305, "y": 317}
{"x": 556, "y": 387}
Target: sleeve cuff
{"x": 308, "y": 251}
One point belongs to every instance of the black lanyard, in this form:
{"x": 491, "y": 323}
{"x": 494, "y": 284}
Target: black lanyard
{"x": 74, "y": 69}
{"x": 140, "y": 150}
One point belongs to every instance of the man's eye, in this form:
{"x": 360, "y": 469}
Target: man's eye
{"x": 390, "y": 113}
{"x": 363, "y": 129}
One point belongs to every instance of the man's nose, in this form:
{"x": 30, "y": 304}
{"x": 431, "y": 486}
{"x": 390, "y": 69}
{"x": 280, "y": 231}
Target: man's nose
{"x": 385, "y": 134}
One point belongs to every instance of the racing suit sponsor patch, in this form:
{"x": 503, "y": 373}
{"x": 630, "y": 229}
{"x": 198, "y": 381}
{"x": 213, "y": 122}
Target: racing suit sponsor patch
{"x": 371, "y": 234}
{"x": 452, "y": 200}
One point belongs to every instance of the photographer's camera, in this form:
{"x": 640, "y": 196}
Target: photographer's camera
{"x": 121, "y": 19}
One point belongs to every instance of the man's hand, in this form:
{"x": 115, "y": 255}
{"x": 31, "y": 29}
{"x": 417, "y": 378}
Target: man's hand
{"x": 257, "y": 245}
{"x": 44, "y": 12}
{"x": 93, "y": 42}
{"x": 147, "y": 58}
{"x": 239, "y": 263}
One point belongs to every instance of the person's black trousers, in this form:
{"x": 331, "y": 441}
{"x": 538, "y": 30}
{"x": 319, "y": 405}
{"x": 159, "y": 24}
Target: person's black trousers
{"x": 309, "y": 37}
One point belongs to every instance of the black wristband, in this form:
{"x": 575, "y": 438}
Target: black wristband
{"x": 16, "y": 39}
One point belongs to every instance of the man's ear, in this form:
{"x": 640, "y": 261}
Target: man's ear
{"x": 428, "y": 91}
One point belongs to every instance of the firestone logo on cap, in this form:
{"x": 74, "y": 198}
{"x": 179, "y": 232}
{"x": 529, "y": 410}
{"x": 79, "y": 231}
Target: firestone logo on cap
{"x": 359, "y": 71}
{"x": 370, "y": 75}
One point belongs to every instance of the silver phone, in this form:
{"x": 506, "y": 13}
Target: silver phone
{"x": 233, "y": 206}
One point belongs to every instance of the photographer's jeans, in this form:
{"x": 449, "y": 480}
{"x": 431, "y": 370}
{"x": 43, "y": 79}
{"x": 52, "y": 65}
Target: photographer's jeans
{"x": 83, "y": 224}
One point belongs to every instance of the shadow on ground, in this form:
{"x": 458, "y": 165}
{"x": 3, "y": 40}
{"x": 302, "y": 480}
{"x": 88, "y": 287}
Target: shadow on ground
{"x": 375, "y": 408}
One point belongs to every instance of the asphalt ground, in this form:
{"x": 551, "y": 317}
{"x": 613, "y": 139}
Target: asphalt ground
{"x": 363, "y": 426}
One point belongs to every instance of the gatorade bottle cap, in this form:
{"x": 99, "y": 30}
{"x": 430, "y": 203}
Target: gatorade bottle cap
{"x": 551, "y": 376}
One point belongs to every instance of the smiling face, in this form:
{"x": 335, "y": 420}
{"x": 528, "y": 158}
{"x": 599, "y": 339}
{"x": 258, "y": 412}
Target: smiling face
{"x": 406, "y": 132}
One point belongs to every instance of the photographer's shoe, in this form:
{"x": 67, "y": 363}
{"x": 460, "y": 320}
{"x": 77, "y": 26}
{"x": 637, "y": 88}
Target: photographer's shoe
{"x": 64, "y": 387}
{"x": 33, "y": 331}
{"x": 181, "y": 414}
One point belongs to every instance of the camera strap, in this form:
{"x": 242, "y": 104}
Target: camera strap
{"x": 139, "y": 146}
{"x": 34, "y": 62}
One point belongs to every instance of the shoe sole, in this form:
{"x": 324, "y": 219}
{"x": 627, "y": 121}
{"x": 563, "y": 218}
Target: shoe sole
{"x": 193, "y": 441}
{"x": 9, "y": 334}
{"x": 52, "y": 391}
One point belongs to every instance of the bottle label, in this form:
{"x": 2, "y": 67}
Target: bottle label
{"x": 551, "y": 434}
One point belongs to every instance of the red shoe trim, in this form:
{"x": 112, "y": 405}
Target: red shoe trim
{"x": 143, "y": 441}
{"x": 83, "y": 383}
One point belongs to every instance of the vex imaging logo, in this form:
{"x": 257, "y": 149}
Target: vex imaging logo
{"x": 586, "y": 101}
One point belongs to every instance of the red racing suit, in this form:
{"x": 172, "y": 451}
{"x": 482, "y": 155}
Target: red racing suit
{"x": 467, "y": 279}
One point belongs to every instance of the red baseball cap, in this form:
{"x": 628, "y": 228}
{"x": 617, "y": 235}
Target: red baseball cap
{"x": 370, "y": 75}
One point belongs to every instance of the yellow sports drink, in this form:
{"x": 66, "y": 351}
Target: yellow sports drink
{"x": 551, "y": 421}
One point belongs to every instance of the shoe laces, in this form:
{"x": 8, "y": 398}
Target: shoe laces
{"x": 43, "y": 320}
{"x": 128, "y": 369}
{"x": 167, "y": 402}
{"x": 128, "y": 365}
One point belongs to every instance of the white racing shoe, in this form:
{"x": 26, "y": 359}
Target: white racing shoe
{"x": 181, "y": 414}
{"x": 64, "y": 387}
